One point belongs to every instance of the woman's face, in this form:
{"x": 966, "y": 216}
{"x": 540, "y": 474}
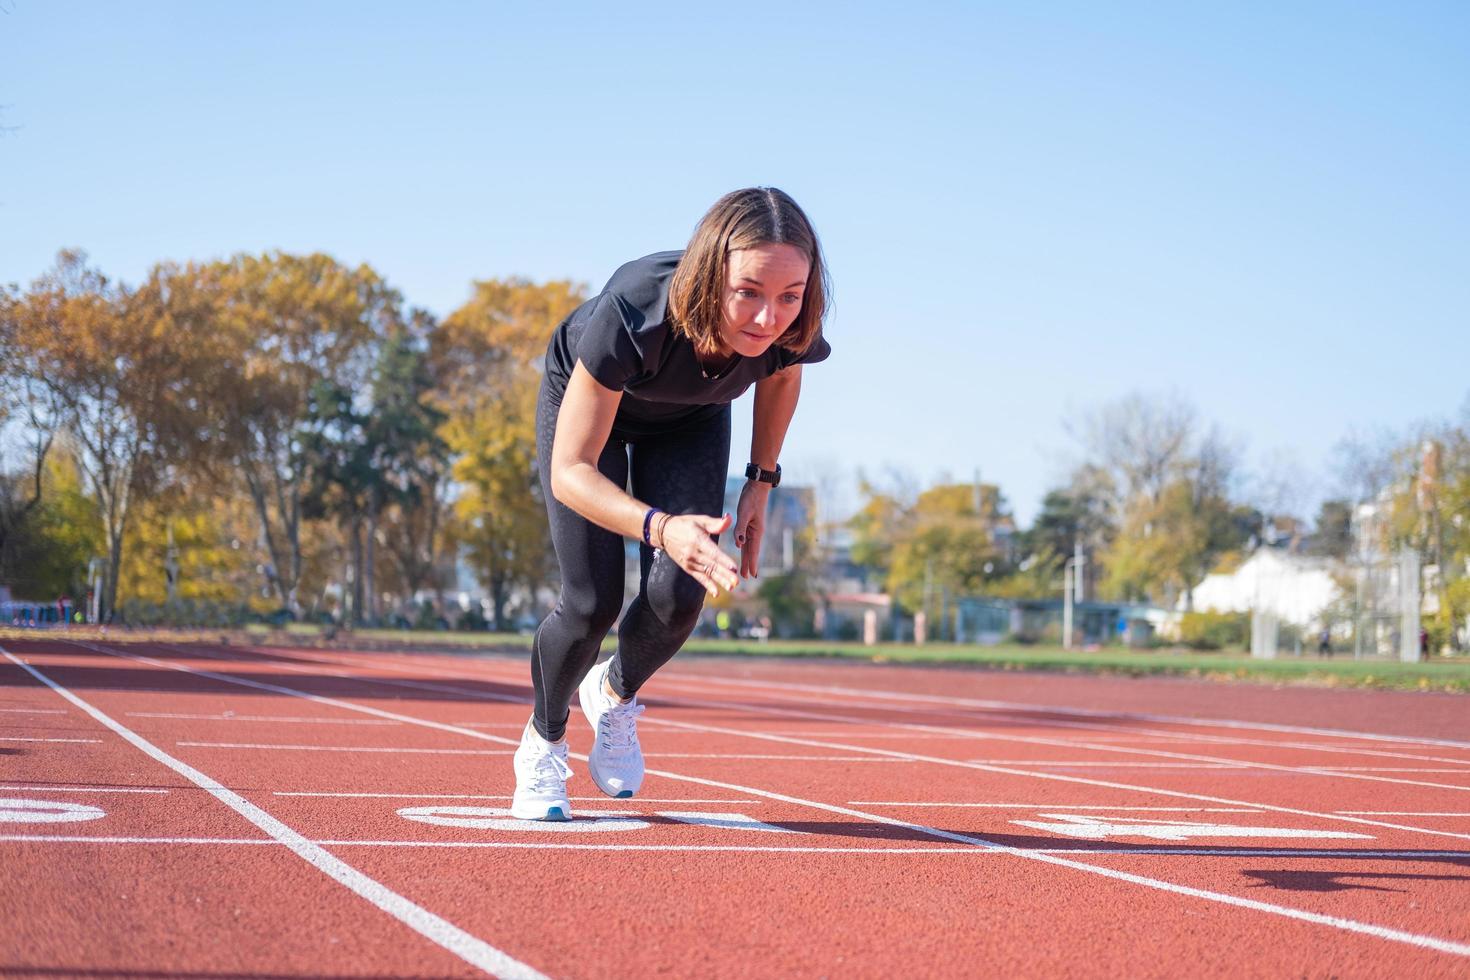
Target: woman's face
{"x": 763, "y": 291}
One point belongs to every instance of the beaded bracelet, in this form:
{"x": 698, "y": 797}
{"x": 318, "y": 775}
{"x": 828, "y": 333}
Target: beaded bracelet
{"x": 647, "y": 521}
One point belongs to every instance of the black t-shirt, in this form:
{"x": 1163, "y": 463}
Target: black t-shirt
{"x": 624, "y": 338}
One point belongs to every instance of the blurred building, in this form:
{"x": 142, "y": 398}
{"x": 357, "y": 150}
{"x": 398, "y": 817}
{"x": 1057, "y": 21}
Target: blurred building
{"x": 1293, "y": 588}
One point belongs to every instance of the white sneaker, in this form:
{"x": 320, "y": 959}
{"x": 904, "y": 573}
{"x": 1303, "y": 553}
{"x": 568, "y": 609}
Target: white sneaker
{"x": 541, "y": 779}
{"x": 616, "y": 761}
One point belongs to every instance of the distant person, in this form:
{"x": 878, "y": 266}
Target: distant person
{"x": 1324, "y": 643}
{"x": 1423, "y": 643}
{"x": 636, "y": 395}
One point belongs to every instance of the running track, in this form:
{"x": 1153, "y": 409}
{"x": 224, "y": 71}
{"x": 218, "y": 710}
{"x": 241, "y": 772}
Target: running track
{"x": 170, "y": 811}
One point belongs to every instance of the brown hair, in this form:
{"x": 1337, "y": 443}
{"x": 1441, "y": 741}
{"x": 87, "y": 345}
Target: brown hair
{"x": 744, "y": 219}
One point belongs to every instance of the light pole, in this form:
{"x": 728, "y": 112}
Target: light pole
{"x": 1071, "y": 587}
{"x": 1067, "y": 589}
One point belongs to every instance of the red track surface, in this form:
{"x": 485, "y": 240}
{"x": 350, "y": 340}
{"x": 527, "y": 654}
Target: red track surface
{"x": 859, "y": 821}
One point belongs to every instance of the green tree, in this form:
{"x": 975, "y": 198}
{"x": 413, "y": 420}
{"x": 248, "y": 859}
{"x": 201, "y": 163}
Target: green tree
{"x": 948, "y": 542}
{"x": 335, "y": 456}
{"x": 49, "y": 554}
{"x": 291, "y": 322}
{"x": 122, "y": 366}
{"x": 882, "y": 520}
{"x": 1332, "y": 534}
{"x": 407, "y": 461}
{"x": 485, "y": 357}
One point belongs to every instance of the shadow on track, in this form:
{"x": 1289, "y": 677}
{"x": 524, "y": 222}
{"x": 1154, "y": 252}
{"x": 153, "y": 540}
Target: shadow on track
{"x": 100, "y": 675}
{"x": 1061, "y": 845}
{"x": 1331, "y": 881}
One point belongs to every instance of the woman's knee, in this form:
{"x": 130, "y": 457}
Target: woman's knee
{"x": 674, "y": 596}
{"x": 590, "y": 612}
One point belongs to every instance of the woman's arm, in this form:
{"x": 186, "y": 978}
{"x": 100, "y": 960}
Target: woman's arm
{"x": 775, "y": 403}
{"x": 582, "y": 429}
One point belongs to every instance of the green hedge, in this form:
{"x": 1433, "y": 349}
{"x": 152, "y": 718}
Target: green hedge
{"x": 1215, "y": 630}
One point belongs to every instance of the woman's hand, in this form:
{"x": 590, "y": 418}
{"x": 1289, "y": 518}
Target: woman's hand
{"x": 686, "y": 539}
{"x": 750, "y": 524}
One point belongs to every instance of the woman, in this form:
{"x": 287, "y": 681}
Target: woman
{"x": 633, "y": 440}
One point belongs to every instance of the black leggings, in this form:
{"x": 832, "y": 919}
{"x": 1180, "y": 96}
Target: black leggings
{"x": 682, "y": 472}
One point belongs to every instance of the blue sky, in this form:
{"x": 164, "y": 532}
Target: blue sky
{"x": 1028, "y": 209}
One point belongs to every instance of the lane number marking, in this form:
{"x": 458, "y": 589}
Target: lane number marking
{"x": 1093, "y": 827}
{"x": 46, "y": 811}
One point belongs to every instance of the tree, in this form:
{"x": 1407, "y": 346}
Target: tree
{"x": 335, "y": 457}
{"x": 884, "y": 517}
{"x": 210, "y": 535}
{"x": 407, "y": 460}
{"x": 293, "y": 322}
{"x": 1332, "y": 533}
{"x": 47, "y": 556}
{"x": 1167, "y": 483}
{"x": 946, "y": 542}
{"x": 36, "y": 410}
{"x": 121, "y": 365}
{"x": 1138, "y": 441}
{"x": 485, "y": 357}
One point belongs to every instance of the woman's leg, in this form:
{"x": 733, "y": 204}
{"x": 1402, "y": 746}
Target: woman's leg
{"x": 592, "y": 566}
{"x": 682, "y": 473}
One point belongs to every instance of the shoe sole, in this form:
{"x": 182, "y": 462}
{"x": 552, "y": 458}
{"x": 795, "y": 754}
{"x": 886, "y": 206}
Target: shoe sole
{"x": 617, "y": 794}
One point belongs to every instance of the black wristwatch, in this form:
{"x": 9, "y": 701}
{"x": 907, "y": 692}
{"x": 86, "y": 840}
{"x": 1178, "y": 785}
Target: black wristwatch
{"x": 754, "y": 472}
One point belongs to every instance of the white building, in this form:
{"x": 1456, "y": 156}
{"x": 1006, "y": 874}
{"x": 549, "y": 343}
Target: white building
{"x": 1293, "y": 588}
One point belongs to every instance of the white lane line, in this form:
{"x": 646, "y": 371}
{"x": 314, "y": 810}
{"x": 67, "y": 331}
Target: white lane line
{"x": 265, "y": 746}
{"x": 1127, "y": 851}
{"x": 82, "y": 789}
{"x": 1405, "y": 813}
{"x": 1044, "y": 740}
{"x": 1347, "y": 925}
{"x": 254, "y": 746}
{"x": 30, "y": 711}
{"x": 1461, "y": 772}
{"x": 74, "y": 741}
{"x": 76, "y": 839}
{"x": 782, "y": 758}
{"x": 466, "y": 796}
{"x": 773, "y": 711}
{"x": 1097, "y": 764}
{"x": 1066, "y": 806}
{"x": 1146, "y": 734}
{"x": 440, "y": 931}
{"x": 1024, "y": 707}
{"x": 510, "y": 725}
{"x": 953, "y": 733}
{"x": 284, "y": 719}
{"x": 393, "y": 750}
{"x": 1011, "y": 771}
{"x": 1199, "y": 738}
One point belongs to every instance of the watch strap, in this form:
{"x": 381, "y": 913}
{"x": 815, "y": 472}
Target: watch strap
{"x": 754, "y": 472}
